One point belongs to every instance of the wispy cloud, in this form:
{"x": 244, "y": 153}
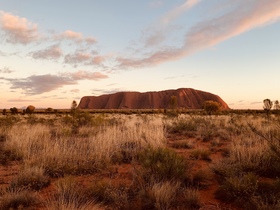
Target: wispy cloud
{"x": 177, "y": 11}
{"x": 84, "y": 58}
{"x": 74, "y": 91}
{"x": 37, "y": 84}
{"x": 76, "y": 37}
{"x": 6, "y": 70}
{"x": 155, "y": 4}
{"x": 86, "y": 75}
{"x": 52, "y": 52}
{"x": 77, "y": 58}
{"x": 18, "y": 30}
{"x": 20, "y": 100}
{"x": 158, "y": 31}
{"x": 244, "y": 16}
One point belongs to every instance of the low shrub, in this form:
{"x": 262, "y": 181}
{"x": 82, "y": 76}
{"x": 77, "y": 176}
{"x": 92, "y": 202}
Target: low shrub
{"x": 32, "y": 178}
{"x": 238, "y": 188}
{"x": 191, "y": 199}
{"x": 70, "y": 195}
{"x": 201, "y": 154}
{"x": 163, "y": 194}
{"x": 163, "y": 164}
{"x": 18, "y": 199}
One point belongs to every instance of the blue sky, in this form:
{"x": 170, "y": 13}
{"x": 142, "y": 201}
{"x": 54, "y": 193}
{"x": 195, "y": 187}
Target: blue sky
{"x": 53, "y": 52}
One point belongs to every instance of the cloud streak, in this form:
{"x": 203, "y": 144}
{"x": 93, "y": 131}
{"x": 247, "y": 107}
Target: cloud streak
{"x": 245, "y": 16}
{"x": 52, "y": 52}
{"x": 38, "y": 84}
{"x": 157, "y": 32}
{"x": 6, "y": 70}
{"x": 18, "y": 30}
{"x": 86, "y": 75}
{"x": 76, "y": 37}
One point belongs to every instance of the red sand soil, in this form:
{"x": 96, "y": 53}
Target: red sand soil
{"x": 122, "y": 174}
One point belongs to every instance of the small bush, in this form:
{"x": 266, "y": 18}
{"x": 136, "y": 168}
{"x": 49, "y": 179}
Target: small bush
{"x": 30, "y": 178}
{"x": 182, "y": 145}
{"x": 201, "y": 178}
{"x": 18, "y": 199}
{"x": 118, "y": 197}
{"x": 184, "y": 127}
{"x": 163, "y": 164}
{"x": 238, "y": 188}
{"x": 70, "y": 195}
{"x": 201, "y": 154}
{"x": 191, "y": 199}
{"x": 162, "y": 195}
{"x": 7, "y": 155}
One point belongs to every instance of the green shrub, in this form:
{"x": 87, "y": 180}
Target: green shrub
{"x": 184, "y": 127}
{"x": 163, "y": 164}
{"x": 238, "y": 188}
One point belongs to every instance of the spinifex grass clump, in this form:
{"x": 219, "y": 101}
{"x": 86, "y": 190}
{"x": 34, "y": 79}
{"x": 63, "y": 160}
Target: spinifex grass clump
{"x": 69, "y": 195}
{"x": 17, "y": 199}
{"x": 32, "y": 178}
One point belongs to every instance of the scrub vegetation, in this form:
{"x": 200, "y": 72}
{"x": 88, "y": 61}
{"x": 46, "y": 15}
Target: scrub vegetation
{"x": 81, "y": 160}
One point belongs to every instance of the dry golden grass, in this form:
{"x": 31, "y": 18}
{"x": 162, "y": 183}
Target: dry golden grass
{"x": 85, "y": 144}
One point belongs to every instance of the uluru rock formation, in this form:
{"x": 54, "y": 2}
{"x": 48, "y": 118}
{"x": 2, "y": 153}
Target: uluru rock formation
{"x": 186, "y": 98}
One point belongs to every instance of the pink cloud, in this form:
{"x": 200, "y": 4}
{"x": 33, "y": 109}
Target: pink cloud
{"x": 84, "y": 58}
{"x": 52, "y": 52}
{"x": 38, "y": 84}
{"x": 86, "y": 75}
{"x": 245, "y": 16}
{"x": 157, "y": 33}
{"x": 78, "y": 57}
{"x": 97, "y": 60}
{"x": 77, "y": 37}
{"x": 173, "y": 14}
{"x": 17, "y": 29}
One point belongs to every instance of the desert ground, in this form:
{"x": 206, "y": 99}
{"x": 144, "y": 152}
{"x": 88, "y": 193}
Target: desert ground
{"x": 82, "y": 161}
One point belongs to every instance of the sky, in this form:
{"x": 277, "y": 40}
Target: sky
{"x": 54, "y": 52}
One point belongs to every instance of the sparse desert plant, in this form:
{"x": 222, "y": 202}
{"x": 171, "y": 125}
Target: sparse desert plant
{"x": 14, "y": 110}
{"x": 118, "y": 197}
{"x": 162, "y": 195}
{"x": 17, "y": 199}
{"x": 31, "y": 178}
{"x": 70, "y": 195}
{"x": 203, "y": 154}
{"x": 182, "y": 126}
{"x": 211, "y": 107}
{"x": 182, "y": 144}
{"x": 191, "y": 199}
{"x": 30, "y": 109}
{"x": 238, "y": 188}
{"x": 163, "y": 164}
{"x": 267, "y": 105}
{"x": 201, "y": 178}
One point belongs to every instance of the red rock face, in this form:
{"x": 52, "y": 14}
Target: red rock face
{"x": 186, "y": 98}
